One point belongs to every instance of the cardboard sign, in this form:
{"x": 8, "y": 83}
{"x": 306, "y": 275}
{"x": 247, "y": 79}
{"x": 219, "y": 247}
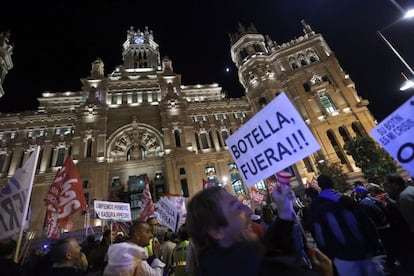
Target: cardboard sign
{"x": 275, "y": 138}
{"x": 168, "y": 213}
{"x": 396, "y": 135}
{"x": 115, "y": 211}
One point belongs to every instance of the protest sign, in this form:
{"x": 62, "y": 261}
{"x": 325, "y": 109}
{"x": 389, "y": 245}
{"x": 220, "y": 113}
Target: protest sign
{"x": 396, "y": 135}
{"x": 114, "y": 211}
{"x": 15, "y": 198}
{"x": 275, "y": 138}
{"x": 168, "y": 213}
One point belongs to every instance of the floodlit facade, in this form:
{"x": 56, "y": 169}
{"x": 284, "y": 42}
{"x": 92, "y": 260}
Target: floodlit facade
{"x": 308, "y": 71}
{"x": 141, "y": 121}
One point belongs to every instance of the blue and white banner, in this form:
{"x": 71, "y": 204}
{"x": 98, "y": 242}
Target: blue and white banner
{"x": 15, "y": 198}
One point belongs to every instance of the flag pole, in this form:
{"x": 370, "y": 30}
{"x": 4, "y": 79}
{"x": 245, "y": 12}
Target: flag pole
{"x": 26, "y": 205}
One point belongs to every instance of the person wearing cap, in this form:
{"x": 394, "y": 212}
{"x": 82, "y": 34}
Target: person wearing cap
{"x": 130, "y": 257}
{"x": 343, "y": 231}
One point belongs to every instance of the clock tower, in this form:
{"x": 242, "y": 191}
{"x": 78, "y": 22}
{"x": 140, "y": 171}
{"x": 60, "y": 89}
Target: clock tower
{"x": 140, "y": 50}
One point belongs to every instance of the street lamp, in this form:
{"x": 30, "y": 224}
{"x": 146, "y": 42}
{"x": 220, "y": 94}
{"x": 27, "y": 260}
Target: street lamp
{"x": 406, "y": 14}
{"x": 409, "y": 83}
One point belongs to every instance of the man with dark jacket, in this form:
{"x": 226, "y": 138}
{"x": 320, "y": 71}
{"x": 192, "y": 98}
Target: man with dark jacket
{"x": 343, "y": 231}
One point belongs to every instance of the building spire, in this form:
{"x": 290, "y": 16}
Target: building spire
{"x": 6, "y": 63}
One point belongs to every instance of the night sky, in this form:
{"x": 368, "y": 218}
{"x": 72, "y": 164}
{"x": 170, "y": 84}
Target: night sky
{"x": 55, "y": 43}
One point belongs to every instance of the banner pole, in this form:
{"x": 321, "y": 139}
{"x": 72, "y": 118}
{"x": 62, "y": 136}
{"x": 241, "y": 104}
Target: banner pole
{"x": 26, "y": 206}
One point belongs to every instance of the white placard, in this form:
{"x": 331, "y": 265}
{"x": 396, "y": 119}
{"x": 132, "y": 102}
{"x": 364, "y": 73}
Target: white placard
{"x": 168, "y": 213}
{"x": 396, "y": 135}
{"x": 275, "y": 138}
{"x": 115, "y": 211}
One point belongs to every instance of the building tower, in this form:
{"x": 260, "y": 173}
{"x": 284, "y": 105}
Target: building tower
{"x": 6, "y": 63}
{"x": 310, "y": 74}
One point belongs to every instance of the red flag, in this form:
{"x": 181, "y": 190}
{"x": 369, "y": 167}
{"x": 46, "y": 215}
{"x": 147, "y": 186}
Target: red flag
{"x": 257, "y": 196}
{"x": 147, "y": 206}
{"x": 207, "y": 184}
{"x": 314, "y": 184}
{"x": 52, "y": 229}
{"x": 66, "y": 195}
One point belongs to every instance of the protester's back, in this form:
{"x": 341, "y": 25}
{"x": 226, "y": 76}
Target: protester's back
{"x": 343, "y": 230}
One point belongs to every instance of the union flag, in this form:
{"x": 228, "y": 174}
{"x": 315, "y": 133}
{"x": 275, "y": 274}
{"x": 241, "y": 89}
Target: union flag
{"x": 65, "y": 196}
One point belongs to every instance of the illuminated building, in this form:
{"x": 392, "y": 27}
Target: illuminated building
{"x": 140, "y": 120}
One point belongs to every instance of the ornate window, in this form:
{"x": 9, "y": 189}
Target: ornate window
{"x": 312, "y": 56}
{"x": 302, "y": 59}
{"x": 235, "y": 179}
{"x": 135, "y": 142}
{"x": 327, "y": 103}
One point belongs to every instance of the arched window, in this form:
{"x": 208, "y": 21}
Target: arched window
{"x": 302, "y": 60}
{"x": 39, "y": 160}
{"x": 258, "y": 48}
{"x": 336, "y": 146}
{"x": 344, "y": 133}
{"x": 293, "y": 63}
{"x": 308, "y": 164}
{"x": 235, "y": 179}
{"x": 312, "y": 56}
{"x": 219, "y": 139}
{"x": 177, "y": 138}
{"x": 197, "y": 141}
{"x": 210, "y": 135}
{"x": 2, "y": 162}
{"x": 327, "y": 102}
{"x": 89, "y": 147}
{"x": 243, "y": 53}
{"x": 204, "y": 140}
{"x": 358, "y": 129}
{"x": 262, "y": 102}
{"x": 60, "y": 157}
{"x": 225, "y": 135}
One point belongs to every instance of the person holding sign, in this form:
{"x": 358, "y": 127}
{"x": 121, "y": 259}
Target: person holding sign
{"x": 219, "y": 226}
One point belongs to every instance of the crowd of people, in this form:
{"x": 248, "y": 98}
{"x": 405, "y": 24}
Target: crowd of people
{"x": 368, "y": 231}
